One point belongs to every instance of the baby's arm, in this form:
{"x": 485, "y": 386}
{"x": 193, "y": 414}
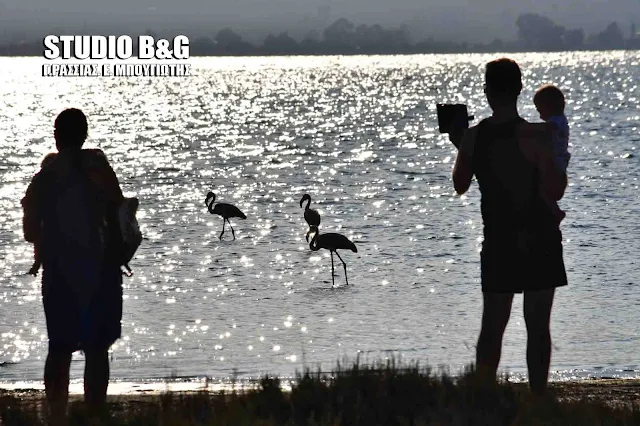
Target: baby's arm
{"x": 561, "y": 142}
{"x": 537, "y": 145}
{"x": 534, "y": 130}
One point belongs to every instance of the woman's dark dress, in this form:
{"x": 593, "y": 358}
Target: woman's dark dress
{"x": 67, "y": 207}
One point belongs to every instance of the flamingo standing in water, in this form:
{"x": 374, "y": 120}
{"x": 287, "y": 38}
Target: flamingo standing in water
{"x": 310, "y": 215}
{"x": 225, "y": 210}
{"x": 332, "y": 242}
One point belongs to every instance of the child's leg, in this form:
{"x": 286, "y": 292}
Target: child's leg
{"x": 555, "y": 209}
{"x": 36, "y": 260}
{"x": 35, "y": 268}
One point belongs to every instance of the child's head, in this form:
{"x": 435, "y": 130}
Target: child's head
{"x": 48, "y": 159}
{"x": 549, "y": 101}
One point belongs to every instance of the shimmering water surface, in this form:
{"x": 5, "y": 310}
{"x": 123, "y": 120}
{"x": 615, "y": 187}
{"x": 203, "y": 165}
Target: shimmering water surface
{"x": 359, "y": 135}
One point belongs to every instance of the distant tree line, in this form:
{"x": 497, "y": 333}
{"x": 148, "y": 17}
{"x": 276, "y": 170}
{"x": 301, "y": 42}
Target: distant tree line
{"x": 343, "y": 37}
{"x": 536, "y": 32}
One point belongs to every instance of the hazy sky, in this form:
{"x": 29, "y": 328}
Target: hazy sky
{"x": 480, "y": 20}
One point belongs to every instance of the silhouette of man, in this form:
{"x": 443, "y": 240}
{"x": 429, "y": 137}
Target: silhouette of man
{"x": 68, "y": 208}
{"x": 522, "y": 248}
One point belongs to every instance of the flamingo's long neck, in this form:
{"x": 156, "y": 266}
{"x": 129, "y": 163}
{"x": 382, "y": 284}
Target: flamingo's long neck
{"x": 313, "y": 245}
{"x": 210, "y": 203}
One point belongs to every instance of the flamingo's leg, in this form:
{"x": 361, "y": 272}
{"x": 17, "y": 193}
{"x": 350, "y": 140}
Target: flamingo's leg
{"x": 224, "y": 222}
{"x": 232, "y": 231}
{"x": 345, "y": 267}
{"x": 333, "y": 279}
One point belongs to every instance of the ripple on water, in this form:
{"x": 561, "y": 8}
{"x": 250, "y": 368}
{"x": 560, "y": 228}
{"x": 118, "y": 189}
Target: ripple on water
{"x": 358, "y": 134}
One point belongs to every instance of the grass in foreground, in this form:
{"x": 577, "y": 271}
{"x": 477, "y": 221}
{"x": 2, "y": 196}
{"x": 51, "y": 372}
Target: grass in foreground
{"x": 382, "y": 394}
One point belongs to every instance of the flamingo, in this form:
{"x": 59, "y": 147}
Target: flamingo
{"x": 225, "y": 210}
{"x": 310, "y": 215}
{"x": 332, "y": 242}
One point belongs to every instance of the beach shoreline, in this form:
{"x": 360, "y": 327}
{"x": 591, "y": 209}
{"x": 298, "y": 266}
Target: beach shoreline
{"x": 358, "y": 395}
{"x": 614, "y": 392}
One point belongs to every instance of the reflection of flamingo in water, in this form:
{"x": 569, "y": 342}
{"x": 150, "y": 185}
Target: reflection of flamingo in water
{"x": 332, "y": 242}
{"x": 310, "y": 215}
{"x": 225, "y": 210}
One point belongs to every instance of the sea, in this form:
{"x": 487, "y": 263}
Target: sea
{"x": 359, "y": 135}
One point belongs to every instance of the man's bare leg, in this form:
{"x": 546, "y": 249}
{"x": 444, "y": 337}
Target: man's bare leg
{"x": 495, "y": 316}
{"x": 56, "y": 382}
{"x": 537, "y": 316}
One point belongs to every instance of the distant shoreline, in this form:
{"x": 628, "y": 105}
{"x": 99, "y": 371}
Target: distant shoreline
{"x": 535, "y": 33}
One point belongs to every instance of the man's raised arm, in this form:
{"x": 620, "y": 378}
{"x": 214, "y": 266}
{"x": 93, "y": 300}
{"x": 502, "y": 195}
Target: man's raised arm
{"x": 463, "y": 167}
